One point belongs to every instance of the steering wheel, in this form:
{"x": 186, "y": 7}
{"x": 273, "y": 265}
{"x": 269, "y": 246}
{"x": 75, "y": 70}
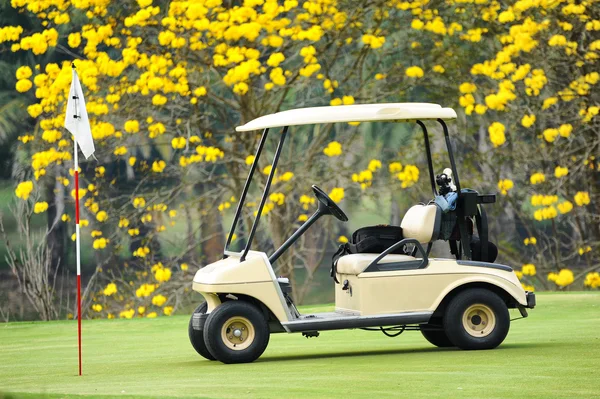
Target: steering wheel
{"x": 329, "y": 204}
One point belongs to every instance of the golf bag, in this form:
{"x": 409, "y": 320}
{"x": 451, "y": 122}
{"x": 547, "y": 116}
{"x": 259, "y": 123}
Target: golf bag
{"x": 372, "y": 239}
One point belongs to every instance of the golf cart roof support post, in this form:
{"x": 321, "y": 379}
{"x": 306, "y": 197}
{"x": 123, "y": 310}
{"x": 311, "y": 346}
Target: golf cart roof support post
{"x": 240, "y": 205}
{"x": 429, "y": 161}
{"x": 294, "y": 237}
{"x": 451, "y": 155}
{"x": 265, "y": 193}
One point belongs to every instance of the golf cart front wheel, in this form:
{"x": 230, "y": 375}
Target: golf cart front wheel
{"x": 197, "y": 336}
{"x": 236, "y": 332}
{"x": 436, "y": 335}
{"x": 477, "y": 319}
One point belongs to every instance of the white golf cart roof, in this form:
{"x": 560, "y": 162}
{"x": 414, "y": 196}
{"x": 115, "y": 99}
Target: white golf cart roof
{"x": 350, "y": 113}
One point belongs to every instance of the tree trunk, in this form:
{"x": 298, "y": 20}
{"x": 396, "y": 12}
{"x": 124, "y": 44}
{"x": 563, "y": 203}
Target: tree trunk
{"x": 57, "y": 230}
{"x": 211, "y": 231}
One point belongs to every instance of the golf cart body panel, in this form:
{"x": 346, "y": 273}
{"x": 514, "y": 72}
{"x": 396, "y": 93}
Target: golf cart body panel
{"x": 350, "y": 113}
{"x": 253, "y": 277}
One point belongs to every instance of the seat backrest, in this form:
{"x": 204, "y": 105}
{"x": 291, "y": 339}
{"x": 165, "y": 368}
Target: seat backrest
{"x": 422, "y": 222}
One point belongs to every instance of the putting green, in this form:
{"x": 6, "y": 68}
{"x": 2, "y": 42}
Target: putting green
{"x": 552, "y": 354}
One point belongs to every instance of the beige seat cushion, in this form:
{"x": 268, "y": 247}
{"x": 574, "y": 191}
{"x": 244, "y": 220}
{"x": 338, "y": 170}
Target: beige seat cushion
{"x": 357, "y": 263}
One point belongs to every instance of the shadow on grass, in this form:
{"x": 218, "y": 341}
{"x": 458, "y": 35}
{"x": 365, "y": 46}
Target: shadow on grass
{"x": 382, "y": 352}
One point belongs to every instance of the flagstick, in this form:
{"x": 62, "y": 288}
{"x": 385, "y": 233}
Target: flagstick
{"x": 77, "y": 249}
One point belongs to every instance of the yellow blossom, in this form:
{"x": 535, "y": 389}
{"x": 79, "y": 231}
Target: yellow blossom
{"x": 23, "y": 85}
{"x": 132, "y": 126}
{"x": 178, "y": 142}
{"x": 528, "y": 269}
{"x": 537, "y": 178}
{"x": 145, "y": 290}
{"x": 496, "y": 131}
{"x": 560, "y": 171}
{"x": 100, "y": 243}
{"x": 505, "y": 185}
{"x": 565, "y": 277}
{"x": 159, "y": 300}
{"x": 102, "y": 216}
{"x": 565, "y": 130}
{"x": 110, "y": 289}
{"x": 592, "y": 280}
{"x": 162, "y": 275}
{"x": 74, "y": 39}
{"x": 24, "y": 189}
{"x": 528, "y": 120}
{"x": 373, "y": 41}
{"x": 414, "y": 72}
{"x": 565, "y": 207}
{"x": 158, "y": 166}
{"x": 467, "y": 88}
{"x": 333, "y": 149}
{"x": 337, "y": 194}
{"x": 40, "y": 207}
{"x": 582, "y": 198}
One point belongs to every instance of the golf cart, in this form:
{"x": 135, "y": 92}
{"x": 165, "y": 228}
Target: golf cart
{"x": 460, "y": 302}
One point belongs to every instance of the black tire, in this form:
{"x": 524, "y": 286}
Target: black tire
{"x": 247, "y": 315}
{"x": 476, "y": 319}
{"x": 197, "y": 336}
{"x": 435, "y": 334}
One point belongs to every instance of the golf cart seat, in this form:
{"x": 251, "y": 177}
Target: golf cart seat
{"x": 421, "y": 222}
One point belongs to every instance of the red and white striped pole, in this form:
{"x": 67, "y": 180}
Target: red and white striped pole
{"x": 77, "y": 249}
{"x": 77, "y": 122}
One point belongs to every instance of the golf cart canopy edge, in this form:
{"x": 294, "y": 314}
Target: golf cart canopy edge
{"x": 350, "y": 113}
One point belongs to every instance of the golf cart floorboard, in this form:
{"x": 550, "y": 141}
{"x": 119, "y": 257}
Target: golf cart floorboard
{"x": 340, "y": 321}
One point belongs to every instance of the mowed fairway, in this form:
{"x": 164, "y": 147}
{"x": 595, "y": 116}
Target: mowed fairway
{"x": 555, "y": 353}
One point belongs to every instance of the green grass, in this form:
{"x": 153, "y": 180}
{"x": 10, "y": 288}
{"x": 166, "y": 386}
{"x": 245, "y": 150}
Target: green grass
{"x": 552, "y": 354}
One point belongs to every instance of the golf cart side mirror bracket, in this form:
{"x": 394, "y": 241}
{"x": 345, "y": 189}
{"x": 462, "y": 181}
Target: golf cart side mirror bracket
{"x": 424, "y": 261}
{"x": 486, "y": 199}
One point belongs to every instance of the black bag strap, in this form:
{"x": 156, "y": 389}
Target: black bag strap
{"x": 342, "y": 250}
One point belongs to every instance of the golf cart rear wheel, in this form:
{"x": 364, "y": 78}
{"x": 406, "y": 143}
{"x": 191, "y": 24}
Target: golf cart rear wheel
{"x": 477, "y": 319}
{"x": 236, "y": 332}
{"x": 436, "y": 335}
{"x": 197, "y": 336}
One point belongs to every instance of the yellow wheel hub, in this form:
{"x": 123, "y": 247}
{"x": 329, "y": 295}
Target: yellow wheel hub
{"x": 237, "y": 333}
{"x": 479, "y": 320}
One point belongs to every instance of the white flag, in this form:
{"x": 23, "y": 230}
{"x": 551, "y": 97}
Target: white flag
{"x": 76, "y": 120}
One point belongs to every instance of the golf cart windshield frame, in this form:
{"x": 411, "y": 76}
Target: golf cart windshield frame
{"x": 242, "y": 254}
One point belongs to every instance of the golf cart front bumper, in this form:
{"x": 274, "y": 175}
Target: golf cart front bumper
{"x": 530, "y": 299}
